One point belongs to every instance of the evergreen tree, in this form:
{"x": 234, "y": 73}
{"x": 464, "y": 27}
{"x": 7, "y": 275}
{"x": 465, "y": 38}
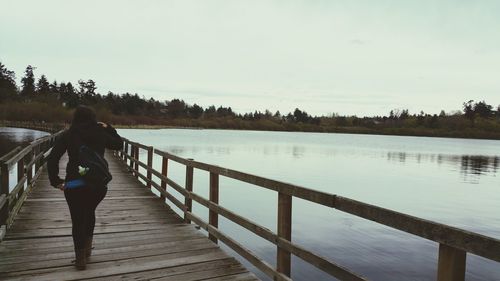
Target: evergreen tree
{"x": 483, "y": 109}
{"x": 8, "y": 88}
{"x": 43, "y": 86}
{"x": 28, "y": 82}
{"x": 54, "y": 88}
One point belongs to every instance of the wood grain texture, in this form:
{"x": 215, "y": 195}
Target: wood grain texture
{"x": 137, "y": 237}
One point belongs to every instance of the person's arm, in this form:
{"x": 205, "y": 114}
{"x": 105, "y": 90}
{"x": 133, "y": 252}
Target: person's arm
{"x": 113, "y": 140}
{"x": 53, "y": 160}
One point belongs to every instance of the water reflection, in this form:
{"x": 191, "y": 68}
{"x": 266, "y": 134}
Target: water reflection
{"x": 470, "y": 166}
{"x": 10, "y": 138}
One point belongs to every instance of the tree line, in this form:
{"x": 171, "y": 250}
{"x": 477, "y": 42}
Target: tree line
{"x": 39, "y": 99}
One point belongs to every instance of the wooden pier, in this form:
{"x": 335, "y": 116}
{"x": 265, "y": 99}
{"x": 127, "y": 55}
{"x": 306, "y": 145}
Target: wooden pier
{"x": 138, "y": 236}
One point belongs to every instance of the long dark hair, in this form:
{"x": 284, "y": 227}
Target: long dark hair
{"x": 84, "y": 115}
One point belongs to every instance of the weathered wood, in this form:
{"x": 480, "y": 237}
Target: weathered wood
{"x": 451, "y": 264}
{"x": 468, "y": 241}
{"x": 189, "y": 187}
{"x": 164, "y": 172}
{"x": 150, "y": 164}
{"x": 36, "y": 149}
{"x": 3, "y": 230}
{"x": 4, "y": 190}
{"x": 240, "y": 249}
{"x": 132, "y": 152}
{"x": 16, "y": 208}
{"x": 4, "y": 183}
{"x": 3, "y": 201}
{"x": 189, "y": 272}
{"x": 16, "y": 191}
{"x": 134, "y": 234}
{"x": 136, "y": 158}
{"x": 29, "y": 169}
{"x": 10, "y": 154}
{"x": 18, "y": 156}
{"x": 213, "y": 217}
{"x": 320, "y": 262}
{"x": 283, "y": 259}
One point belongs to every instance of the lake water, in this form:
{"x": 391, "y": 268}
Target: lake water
{"x": 451, "y": 181}
{"x": 10, "y": 138}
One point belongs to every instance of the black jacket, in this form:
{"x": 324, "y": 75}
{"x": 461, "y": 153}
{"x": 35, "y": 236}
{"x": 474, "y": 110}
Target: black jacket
{"x": 92, "y": 135}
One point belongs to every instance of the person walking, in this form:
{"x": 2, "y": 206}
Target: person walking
{"x": 82, "y": 201}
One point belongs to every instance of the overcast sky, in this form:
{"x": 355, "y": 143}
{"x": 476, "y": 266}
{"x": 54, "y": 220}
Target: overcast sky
{"x": 349, "y": 57}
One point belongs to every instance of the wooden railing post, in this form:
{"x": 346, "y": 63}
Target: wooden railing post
{"x": 38, "y": 161}
{"x": 20, "y": 174}
{"x": 4, "y": 189}
{"x": 164, "y": 172}
{"x": 213, "y": 217}
{"x": 132, "y": 153}
{"x": 29, "y": 171}
{"x": 150, "y": 166}
{"x": 451, "y": 264}
{"x": 189, "y": 187}
{"x": 124, "y": 155}
{"x": 284, "y": 231}
{"x": 136, "y": 164}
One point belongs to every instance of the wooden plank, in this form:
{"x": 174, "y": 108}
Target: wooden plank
{"x": 3, "y": 230}
{"x": 109, "y": 254}
{"x": 468, "y": 241}
{"x": 241, "y": 250}
{"x": 173, "y": 229}
{"x": 189, "y": 187}
{"x": 197, "y": 271}
{"x": 9, "y": 154}
{"x": 164, "y": 172}
{"x": 4, "y": 190}
{"x": 18, "y": 156}
{"x": 3, "y": 201}
{"x": 111, "y": 268}
{"x": 234, "y": 277}
{"x": 150, "y": 164}
{"x": 33, "y": 252}
{"x": 451, "y": 264}
{"x": 213, "y": 217}
{"x": 134, "y": 234}
{"x": 283, "y": 259}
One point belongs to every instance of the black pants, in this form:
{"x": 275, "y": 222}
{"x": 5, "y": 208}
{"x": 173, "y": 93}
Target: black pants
{"x": 82, "y": 203}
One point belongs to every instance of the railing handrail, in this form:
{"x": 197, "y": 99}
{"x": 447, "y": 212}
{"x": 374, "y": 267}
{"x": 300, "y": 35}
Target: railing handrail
{"x": 12, "y": 200}
{"x": 454, "y": 242}
{"x": 490, "y": 247}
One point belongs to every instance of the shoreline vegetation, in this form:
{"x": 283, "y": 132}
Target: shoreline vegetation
{"x": 37, "y": 100}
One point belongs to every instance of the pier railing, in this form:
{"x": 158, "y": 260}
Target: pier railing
{"x": 29, "y": 162}
{"x": 454, "y": 243}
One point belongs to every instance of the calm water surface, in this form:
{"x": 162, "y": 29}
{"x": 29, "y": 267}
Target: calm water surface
{"x": 452, "y": 181}
{"x": 10, "y": 138}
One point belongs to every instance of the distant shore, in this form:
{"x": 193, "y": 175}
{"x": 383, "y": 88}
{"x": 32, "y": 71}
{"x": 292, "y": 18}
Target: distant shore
{"x": 415, "y": 132}
{"x": 467, "y": 133}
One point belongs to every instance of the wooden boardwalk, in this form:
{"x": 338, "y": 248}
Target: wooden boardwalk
{"x": 137, "y": 237}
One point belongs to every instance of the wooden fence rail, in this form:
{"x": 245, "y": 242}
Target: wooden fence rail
{"x": 454, "y": 243}
{"x": 29, "y": 162}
